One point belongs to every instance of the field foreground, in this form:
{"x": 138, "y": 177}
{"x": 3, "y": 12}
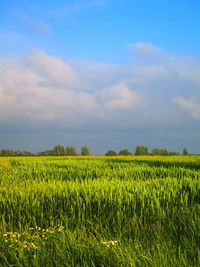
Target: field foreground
{"x": 100, "y": 211}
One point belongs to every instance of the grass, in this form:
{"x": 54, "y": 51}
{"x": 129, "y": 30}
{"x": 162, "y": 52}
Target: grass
{"x": 100, "y": 211}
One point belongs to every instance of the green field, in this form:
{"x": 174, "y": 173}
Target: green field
{"x": 100, "y": 211}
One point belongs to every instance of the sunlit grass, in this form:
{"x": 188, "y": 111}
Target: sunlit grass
{"x": 100, "y": 211}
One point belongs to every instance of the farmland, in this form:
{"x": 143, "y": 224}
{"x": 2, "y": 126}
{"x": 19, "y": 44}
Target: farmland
{"x": 100, "y": 211}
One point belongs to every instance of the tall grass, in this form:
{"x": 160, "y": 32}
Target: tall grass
{"x": 100, "y": 211}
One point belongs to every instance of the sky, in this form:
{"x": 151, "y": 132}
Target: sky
{"x": 108, "y": 74}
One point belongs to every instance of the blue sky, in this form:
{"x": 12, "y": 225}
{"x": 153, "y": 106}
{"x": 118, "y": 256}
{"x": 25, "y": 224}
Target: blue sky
{"x": 100, "y": 29}
{"x": 107, "y": 74}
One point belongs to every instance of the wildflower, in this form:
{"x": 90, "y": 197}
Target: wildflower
{"x": 110, "y": 243}
{"x": 60, "y": 228}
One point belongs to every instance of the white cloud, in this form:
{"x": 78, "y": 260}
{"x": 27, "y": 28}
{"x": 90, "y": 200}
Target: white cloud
{"x": 188, "y": 69}
{"x": 189, "y": 105}
{"x": 119, "y": 97}
{"x": 151, "y": 71}
{"x": 45, "y": 88}
{"x": 23, "y": 95}
{"x": 53, "y": 70}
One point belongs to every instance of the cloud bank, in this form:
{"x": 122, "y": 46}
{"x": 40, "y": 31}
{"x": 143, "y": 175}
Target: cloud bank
{"x": 152, "y": 89}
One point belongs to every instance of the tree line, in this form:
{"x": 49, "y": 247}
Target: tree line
{"x": 60, "y": 150}
{"x": 143, "y": 150}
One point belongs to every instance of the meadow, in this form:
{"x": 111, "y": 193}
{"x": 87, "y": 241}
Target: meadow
{"x": 100, "y": 211}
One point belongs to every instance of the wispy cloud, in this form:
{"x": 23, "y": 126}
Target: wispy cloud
{"x": 36, "y": 26}
{"x": 144, "y": 49}
{"x": 78, "y": 6}
{"x": 41, "y": 27}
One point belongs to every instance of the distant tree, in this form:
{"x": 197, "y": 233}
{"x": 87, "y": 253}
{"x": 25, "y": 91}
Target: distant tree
{"x": 141, "y": 150}
{"x": 7, "y": 152}
{"x": 185, "y": 151}
{"x": 22, "y": 153}
{"x": 171, "y": 153}
{"x": 41, "y": 153}
{"x": 111, "y": 153}
{"x": 17, "y": 153}
{"x": 46, "y": 153}
{"x": 155, "y": 151}
{"x": 161, "y": 152}
{"x": 50, "y": 153}
{"x": 12, "y": 153}
{"x": 27, "y": 153}
{"x": 164, "y": 152}
{"x": 71, "y": 151}
{"x": 59, "y": 150}
{"x": 85, "y": 151}
{"x": 124, "y": 152}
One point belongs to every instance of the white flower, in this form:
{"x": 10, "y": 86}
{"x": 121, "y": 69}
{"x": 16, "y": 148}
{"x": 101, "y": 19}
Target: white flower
{"x": 109, "y": 243}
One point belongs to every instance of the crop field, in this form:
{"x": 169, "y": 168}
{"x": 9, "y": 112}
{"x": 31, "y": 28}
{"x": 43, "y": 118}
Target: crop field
{"x": 100, "y": 211}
